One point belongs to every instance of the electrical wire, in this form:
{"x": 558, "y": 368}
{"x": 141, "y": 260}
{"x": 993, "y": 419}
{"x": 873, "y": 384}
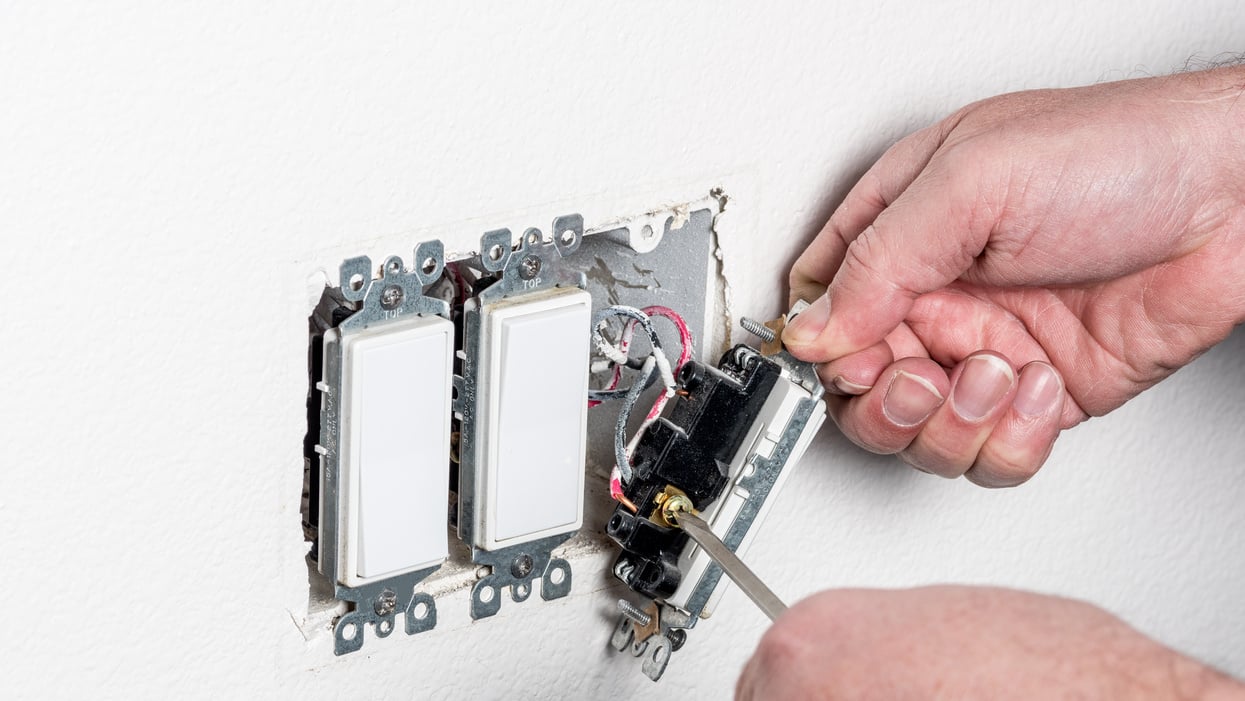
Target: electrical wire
{"x": 619, "y": 356}
{"x": 621, "y": 457}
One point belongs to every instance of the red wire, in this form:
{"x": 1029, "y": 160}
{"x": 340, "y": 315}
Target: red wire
{"x": 685, "y": 334}
{"x": 685, "y": 340}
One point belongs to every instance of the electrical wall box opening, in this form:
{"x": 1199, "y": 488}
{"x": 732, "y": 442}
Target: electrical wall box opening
{"x": 486, "y": 394}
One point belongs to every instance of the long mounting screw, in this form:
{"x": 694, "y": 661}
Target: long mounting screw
{"x": 758, "y": 329}
{"x": 635, "y": 613}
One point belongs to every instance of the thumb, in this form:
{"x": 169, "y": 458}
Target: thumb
{"x": 927, "y": 238}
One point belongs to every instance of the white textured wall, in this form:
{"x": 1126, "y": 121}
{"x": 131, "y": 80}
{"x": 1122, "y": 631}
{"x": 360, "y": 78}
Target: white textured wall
{"x": 170, "y": 179}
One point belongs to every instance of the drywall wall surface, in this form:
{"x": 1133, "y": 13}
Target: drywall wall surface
{"x": 176, "y": 179}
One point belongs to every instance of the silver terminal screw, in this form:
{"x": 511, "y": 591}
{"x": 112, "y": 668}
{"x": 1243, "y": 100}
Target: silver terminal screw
{"x": 635, "y": 613}
{"x": 386, "y": 603}
{"x": 758, "y": 329}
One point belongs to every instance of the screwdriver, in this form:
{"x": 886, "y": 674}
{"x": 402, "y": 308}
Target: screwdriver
{"x": 699, "y": 531}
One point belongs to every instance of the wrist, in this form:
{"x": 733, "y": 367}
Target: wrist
{"x": 1215, "y": 101}
{"x": 1212, "y": 110}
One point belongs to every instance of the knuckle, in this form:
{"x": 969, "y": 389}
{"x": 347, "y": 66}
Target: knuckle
{"x": 924, "y": 462}
{"x": 866, "y": 258}
{"x": 934, "y": 452}
{"x": 782, "y": 651}
{"x": 997, "y": 469}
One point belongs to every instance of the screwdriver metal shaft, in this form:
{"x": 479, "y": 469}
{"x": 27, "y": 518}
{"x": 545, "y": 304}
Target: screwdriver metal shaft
{"x": 730, "y": 563}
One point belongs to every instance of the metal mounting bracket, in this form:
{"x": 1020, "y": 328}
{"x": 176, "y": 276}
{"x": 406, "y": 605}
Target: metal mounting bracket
{"x": 529, "y": 266}
{"x": 398, "y": 293}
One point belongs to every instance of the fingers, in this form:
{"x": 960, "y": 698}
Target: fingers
{"x": 889, "y": 416}
{"x": 981, "y": 391}
{"x": 922, "y": 242}
{"x": 1023, "y": 437}
{"x": 877, "y": 188}
{"x": 954, "y": 323}
{"x": 985, "y": 421}
{"x": 858, "y": 372}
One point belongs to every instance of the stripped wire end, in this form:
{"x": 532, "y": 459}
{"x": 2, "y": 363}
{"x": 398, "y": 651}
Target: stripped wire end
{"x": 616, "y": 491}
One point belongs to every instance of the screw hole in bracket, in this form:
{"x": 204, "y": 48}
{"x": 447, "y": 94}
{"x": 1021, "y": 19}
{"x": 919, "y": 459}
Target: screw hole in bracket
{"x": 568, "y": 233}
{"x": 495, "y": 250}
{"x": 484, "y": 599}
{"x": 556, "y": 582}
{"x": 421, "y": 614}
{"x": 430, "y": 261}
{"x": 655, "y": 664}
{"x": 355, "y": 277}
{"x": 348, "y": 635}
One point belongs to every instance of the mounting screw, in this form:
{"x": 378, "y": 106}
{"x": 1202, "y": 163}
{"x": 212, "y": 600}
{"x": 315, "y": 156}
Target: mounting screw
{"x": 633, "y": 612}
{"x": 678, "y": 636}
{"x": 391, "y": 296}
{"x": 758, "y": 329}
{"x": 529, "y": 267}
{"x": 386, "y": 603}
{"x": 522, "y": 566}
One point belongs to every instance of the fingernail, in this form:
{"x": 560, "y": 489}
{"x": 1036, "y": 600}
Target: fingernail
{"x": 809, "y": 323}
{"x": 983, "y": 383}
{"x": 842, "y": 386}
{"x": 1038, "y": 390}
{"x": 910, "y": 399}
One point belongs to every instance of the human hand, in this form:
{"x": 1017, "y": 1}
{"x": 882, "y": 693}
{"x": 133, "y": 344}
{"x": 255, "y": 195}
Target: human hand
{"x": 965, "y": 643}
{"x": 1089, "y": 241}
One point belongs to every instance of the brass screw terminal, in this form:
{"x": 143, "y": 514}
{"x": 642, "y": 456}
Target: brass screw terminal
{"x": 669, "y": 503}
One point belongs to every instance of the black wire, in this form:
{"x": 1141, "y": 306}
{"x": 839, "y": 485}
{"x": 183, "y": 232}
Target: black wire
{"x": 646, "y": 323}
{"x": 606, "y": 395}
{"x": 624, "y": 415}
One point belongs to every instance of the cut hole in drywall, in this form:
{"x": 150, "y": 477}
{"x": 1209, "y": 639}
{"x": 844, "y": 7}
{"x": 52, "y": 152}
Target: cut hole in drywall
{"x": 682, "y": 272}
